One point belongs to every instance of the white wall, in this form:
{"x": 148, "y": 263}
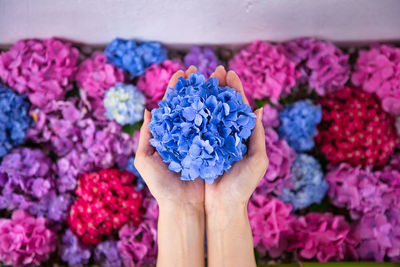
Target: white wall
{"x": 200, "y": 21}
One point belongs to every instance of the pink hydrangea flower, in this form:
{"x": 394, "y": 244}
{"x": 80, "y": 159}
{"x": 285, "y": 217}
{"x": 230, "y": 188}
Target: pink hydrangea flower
{"x": 281, "y": 157}
{"x": 377, "y": 70}
{"x": 150, "y": 207}
{"x": 43, "y": 69}
{"x": 264, "y": 71}
{"x": 323, "y": 236}
{"x": 270, "y": 116}
{"x": 153, "y": 83}
{"x": 95, "y": 75}
{"x": 379, "y": 235}
{"x": 135, "y": 138}
{"x": 25, "y": 240}
{"x": 271, "y": 224}
{"x": 321, "y": 64}
{"x": 398, "y": 125}
{"x": 362, "y": 191}
{"x": 138, "y": 244}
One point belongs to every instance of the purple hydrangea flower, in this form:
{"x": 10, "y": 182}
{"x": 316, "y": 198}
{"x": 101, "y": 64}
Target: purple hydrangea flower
{"x": 73, "y": 251}
{"x": 201, "y": 128}
{"x": 106, "y": 253}
{"x": 203, "y": 58}
{"x": 134, "y": 57}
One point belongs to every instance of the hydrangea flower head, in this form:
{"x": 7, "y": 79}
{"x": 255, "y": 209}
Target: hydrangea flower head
{"x": 95, "y": 75}
{"x": 281, "y": 157}
{"x": 134, "y": 57}
{"x": 25, "y": 240}
{"x": 138, "y": 244}
{"x": 14, "y": 119}
{"x": 323, "y": 236}
{"x": 271, "y": 224}
{"x": 203, "y": 58}
{"x": 354, "y": 129}
{"x": 264, "y": 71}
{"x": 106, "y": 253}
{"x": 73, "y": 251}
{"x": 106, "y": 201}
{"x": 200, "y": 128}
{"x": 308, "y": 185}
{"x": 124, "y": 104}
{"x": 320, "y": 63}
{"x": 377, "y": 70}
{"x": 299, "y": 124}
{"x": 43, "y": 69}
{"x": 270, "y": 117}
{"x": 154, "y": 81}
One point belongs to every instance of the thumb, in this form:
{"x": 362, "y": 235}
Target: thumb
{"x": 256, "y": 146}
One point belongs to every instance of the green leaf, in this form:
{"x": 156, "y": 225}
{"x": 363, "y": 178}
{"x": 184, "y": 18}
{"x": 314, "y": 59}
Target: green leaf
{"x": 131, "y": 128}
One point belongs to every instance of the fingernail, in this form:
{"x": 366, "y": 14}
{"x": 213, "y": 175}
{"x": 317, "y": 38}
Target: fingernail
{"x": 220, "y": 66}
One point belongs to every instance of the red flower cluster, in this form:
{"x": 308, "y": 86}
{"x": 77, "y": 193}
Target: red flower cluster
{"x": 107, "y": 200}
{"x": 355, "y": 129}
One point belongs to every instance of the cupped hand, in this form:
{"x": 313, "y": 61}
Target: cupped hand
{"x": 235, "y": 187}
{"x": 164, "y": 184}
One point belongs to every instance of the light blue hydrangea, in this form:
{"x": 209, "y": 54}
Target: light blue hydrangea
{"x": 308, "y": 185}
{"x": 124, "y": 104}
{"x": 201, "y": 128}
{"x": 14, "y": 119}
{"x": 134, "y": 57}
{"x": 299, "y": 124}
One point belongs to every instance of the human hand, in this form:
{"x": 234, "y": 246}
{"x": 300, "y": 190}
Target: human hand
{"x": 164, "y": 184}
{"x": 235, "y": 187}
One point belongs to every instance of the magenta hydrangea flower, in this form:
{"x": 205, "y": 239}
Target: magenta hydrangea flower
{"x": 398, "y": 125}
{"x": 270, "y": 116}
{"x": 43, "y": 69}
{"x": 94, "y": 77}
{"x": 271, "y": 224}
{"x": 138, "y": 244}
{"x": 281, "y": 157}
{"x": 377, "y": 70}
{"x": 362, "y": 191}
{"x": 203, "y": 58}
{"x": 150, "y": 207}
{"x": 135, "y": 139}
{"x": 323, "y": 236}
{"x": 153, "y": 83}
{"x": 264, "y": 71}
{"x": 323, "y": 66}
{"x": 25, "y": 240}
{"x": 379, "y": 235}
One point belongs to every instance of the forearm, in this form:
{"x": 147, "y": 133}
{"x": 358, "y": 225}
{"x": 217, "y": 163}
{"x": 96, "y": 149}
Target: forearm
{"x": 180, "y": 236}
{"x": 229, "y": 237}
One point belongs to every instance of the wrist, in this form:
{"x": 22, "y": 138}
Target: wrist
{"x": 221, "y": 215}
{"x": 180, "y": 209}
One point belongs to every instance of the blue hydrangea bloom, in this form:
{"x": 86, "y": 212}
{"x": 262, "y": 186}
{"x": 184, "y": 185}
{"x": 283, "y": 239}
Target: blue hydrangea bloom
{"x": 299, "y": 124}
{"x": 134, "y": 57}
{"x": 308, "y": 186}
{"x": 130, "y": 167}
{"x": 200, "y": 128}
{"x": 124, "y": 104}
{"x": 14, "y": 119}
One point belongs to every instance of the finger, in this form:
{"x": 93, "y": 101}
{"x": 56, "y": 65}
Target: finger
{"x": 145, "y": 148}
{"x": 190, "y": 70}
{"x": 233, "y": 80}
{"x": 220, "y": 74}
{"x": 256, "y": 146}
{"x": 173, "y": 80}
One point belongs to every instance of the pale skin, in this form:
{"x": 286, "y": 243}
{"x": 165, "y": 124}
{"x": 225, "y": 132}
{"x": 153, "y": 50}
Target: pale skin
{"x": 188, "y": 208}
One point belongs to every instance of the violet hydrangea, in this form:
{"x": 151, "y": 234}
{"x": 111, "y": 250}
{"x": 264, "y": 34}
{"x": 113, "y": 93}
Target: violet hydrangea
{"x": 124, "y": 104}
{"x": 377, "y": 70}
{"x": 106, "y": 253}
{"x": 154, "y": 81}
{"x": 203, "y": 58}
{"x": 271, "y": 224}
{"x": 200, "y": 128}
{"x": 308, "y": 184}
{"x": 299, "y": 124}
{"x": 14, "y": 119}
{"x": 25, "y": 240}
{"x": 323, "y": 66}
{"x": 134, "y": 57}
{"x": 73, "y": 251}
{"x": 43, "y": 69}
{"x": 264, "y": 71}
